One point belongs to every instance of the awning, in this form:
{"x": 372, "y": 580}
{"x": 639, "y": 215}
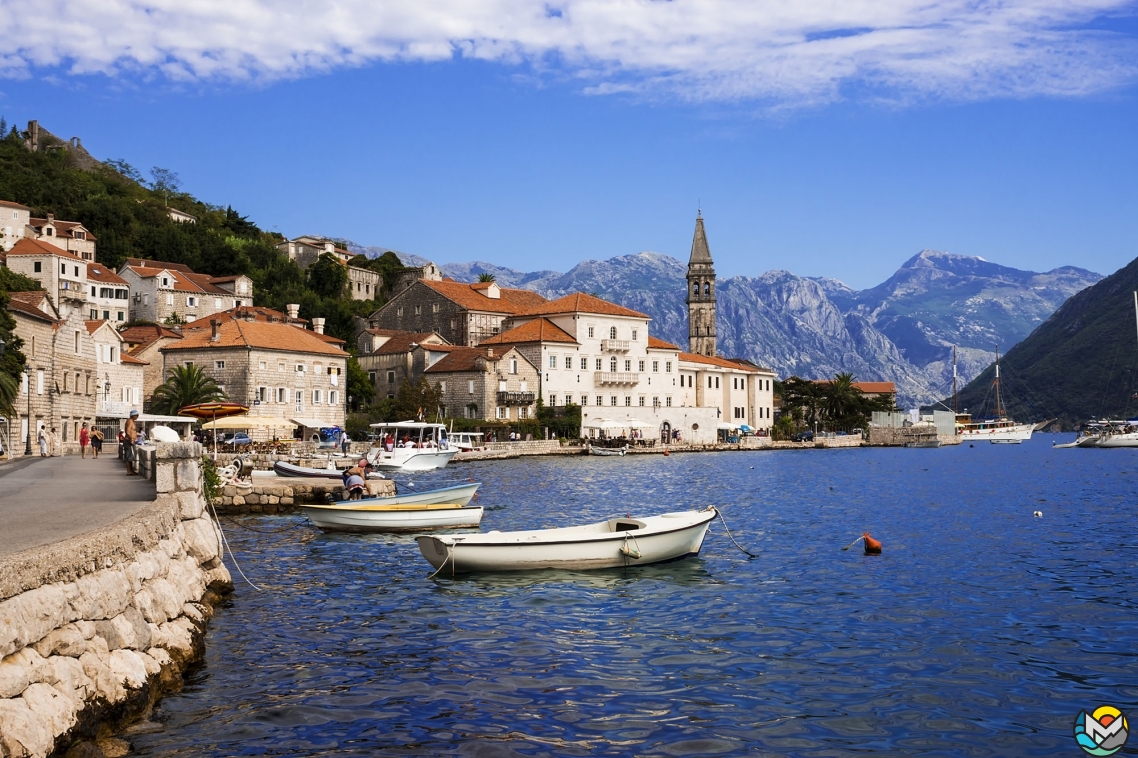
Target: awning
{"x": 160, "y": 419}
{"x": 311, "y": 423}
{"x": 249, "y": 422}
{"x": 723, "y": 426}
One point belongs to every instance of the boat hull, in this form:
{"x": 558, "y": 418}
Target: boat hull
{"x": 409, "y": 459}
{"x": 394, "y": 518}
{"x": 659, "y": 539}
{"x": 1000, "y": 434}
{"x": 607, "y": 450}
{"x": 289, "y": 470}
{"x": 1129, "y": 439}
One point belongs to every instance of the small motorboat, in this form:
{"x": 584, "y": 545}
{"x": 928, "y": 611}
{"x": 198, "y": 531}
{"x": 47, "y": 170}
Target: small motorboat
{"x": 444, "y": 508}
{"x": 291, "y": 470}
{"x": 606, "y": 544}
{"x": 594, "y": 450}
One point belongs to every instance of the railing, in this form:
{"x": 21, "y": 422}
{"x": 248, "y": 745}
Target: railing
{"x": 615, "y": 346}
{"x": 615, "y": 377}
{"x": 516, "y": 398}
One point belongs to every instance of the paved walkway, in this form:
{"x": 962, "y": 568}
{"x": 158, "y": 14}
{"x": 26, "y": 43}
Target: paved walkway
{"x": 44, "y": 500}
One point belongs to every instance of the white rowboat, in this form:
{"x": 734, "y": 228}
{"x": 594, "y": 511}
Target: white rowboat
{"x": 593, "y": 450}
{"x": 435, "y": 509}
{"x": 607, "y": 544}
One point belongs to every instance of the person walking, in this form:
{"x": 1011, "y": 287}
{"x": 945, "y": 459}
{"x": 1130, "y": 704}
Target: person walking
{"x": 129, "y": 435}
{"x": 96, "y": 442}
{"x": 43, "y": 442}
{"x": 345, "y": 441}
{"x": 84, "y": 438}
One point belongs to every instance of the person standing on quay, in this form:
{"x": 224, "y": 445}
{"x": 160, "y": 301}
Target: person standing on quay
{"x": 345, "y": 440}
{"x": 96, "y": 443}
{"x": 84, "y": 438}
{"x": 129, "y": 435}
{"x": 43, "y": 442}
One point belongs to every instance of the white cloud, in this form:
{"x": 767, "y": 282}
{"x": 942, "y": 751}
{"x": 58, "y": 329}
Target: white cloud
{"x": 788, "y": 52}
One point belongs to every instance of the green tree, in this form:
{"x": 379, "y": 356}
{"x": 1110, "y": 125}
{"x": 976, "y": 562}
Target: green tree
{"x": 417, "y": 401}
{"x": 187, "y": 385}
{"x": 327, "y": 278}
{"x": 359, "y": 386}
{"x": 12, "y": 362}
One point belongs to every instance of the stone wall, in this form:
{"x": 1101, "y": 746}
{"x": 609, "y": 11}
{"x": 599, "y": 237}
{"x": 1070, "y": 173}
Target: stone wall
{"x": 95, "y": 628}
{"x": 283, "y": 498}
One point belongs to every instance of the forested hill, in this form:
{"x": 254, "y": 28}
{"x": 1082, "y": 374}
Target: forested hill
{"x": 128, "y": 217}
{"x": 1080, "y": 363}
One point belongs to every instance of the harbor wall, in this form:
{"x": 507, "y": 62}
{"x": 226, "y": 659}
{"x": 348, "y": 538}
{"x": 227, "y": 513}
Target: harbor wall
{"x": 283, "y": 498}
{"x": 95, "y": 628}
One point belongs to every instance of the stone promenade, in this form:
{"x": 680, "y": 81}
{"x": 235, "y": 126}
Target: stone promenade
{"x": 45, "y": 500}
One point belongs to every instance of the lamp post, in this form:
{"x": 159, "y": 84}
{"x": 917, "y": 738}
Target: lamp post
{"x": 28, "y": 384}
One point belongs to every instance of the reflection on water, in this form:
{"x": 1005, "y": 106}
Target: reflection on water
{"x": 980, "y": 631}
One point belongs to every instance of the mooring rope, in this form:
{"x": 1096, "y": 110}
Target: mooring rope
{"x": 731, "y": 536}
{"x": 232, "y": 555}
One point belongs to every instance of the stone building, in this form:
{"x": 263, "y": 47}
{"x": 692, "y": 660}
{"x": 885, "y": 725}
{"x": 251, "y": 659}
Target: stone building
{"x": 14, "y": 219}
{"x": 71, "y": 236}
{"x": 119, "y": 376}
{"x": 280, "y": 370}
{"x": 61, "y": 382}
{"x": 486, "y": 383}
{"x": 464, "y": 314}
{"x": 144, "y": 342}
{"x": 108, "y": 294}
{"x": 168, "y": 293}
{"x": 63, "y": 275}
{"x": 399, "y": 356}
{"x": 701, "y": 294}
{"x": 363, "y": 283}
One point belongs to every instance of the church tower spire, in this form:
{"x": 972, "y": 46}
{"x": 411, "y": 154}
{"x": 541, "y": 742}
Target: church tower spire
{"x": 701, "y": 293}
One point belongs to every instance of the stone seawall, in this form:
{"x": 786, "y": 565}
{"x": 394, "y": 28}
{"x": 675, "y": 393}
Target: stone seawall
{"x": 95, "y": 628}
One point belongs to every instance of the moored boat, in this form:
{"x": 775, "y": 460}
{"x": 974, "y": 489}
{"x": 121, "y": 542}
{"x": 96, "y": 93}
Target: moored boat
{"x": 607, "y": 544}
{"x": 594, "y": 450}
{"x": 411, "y": 446}
{"x": 290, "y": 470}
{"x": 447, "y": 507}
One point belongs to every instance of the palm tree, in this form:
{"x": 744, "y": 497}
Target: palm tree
{"x": 186, "y": 385}
{"x": 485, "y": 277}
{"x": 841, "y": 397}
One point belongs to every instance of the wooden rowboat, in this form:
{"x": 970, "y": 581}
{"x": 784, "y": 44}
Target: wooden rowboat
{"x": 443, "y": 508}
{"x": 607, "y": 544}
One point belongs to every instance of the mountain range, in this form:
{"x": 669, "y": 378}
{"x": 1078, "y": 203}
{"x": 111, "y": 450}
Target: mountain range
{"x": 903, "y": 330}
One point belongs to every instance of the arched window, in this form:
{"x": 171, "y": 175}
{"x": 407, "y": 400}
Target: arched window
{"x": 707, "y": 288}
{"x": 695, "y": 289}
{"x": 612, "y": 332}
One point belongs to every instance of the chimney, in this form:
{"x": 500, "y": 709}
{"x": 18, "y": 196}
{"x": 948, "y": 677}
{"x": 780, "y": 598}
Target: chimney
{"x": 318, "y": 325}
{"x": 50, "y": 217}
{"x": 215, "y": 325}
{"x": 489, "y": 352}
{"x": 293, "y": 310}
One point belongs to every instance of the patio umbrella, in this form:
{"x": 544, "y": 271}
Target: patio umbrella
{"x": 213, "y": 411}
{"x": 632, "y": 423}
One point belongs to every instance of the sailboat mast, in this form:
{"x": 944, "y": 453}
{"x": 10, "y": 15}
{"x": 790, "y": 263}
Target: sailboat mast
{"x": 999, "y": 410}
{"x": 955, "y": 399}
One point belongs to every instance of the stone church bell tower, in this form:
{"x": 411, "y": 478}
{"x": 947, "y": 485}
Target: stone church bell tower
{"x": 701, "y": 294}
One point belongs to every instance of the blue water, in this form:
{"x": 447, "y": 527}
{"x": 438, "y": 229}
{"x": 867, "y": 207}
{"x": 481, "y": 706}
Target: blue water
{"x": 979, "y": 631}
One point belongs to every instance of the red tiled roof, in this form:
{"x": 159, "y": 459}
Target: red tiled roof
{"x": 247, "y": 313}
{"x": 10, "y": 204}
{"x": 97, "y": 272}
{"x": 128, "y": 358}
{"x": 465, "y": 358}
{"x": 401, "y": 342}
{"x": 714, "y": 361}
{"x": 30, "y": 304}
{"x": 538, "y": 330}
{"x": 258, "y": 334}
{"x": 512, "y": 301}
{"x": 28, "y": 246}
{"x": 655, "y": 343}
{"x": 147, "y": 263}
{"x": 94, "y": 324}
{"x": 579, "y": 302}
{"x": 143, "y": 337}
{"x": 66, "y": 228}
{"x": 232, "y": 278}
{"x": 869, "y": 388}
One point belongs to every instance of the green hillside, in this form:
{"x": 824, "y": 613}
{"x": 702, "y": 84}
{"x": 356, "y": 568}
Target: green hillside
{"x": 1081, "y": 363}
{"x": 127, "y": 215}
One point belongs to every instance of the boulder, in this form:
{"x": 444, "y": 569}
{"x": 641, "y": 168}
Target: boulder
{"x": 66, "y": 640}
{"x": 31, "y": 616}
{"x": 18, "y": 671}
{"x": 23, "y": 732}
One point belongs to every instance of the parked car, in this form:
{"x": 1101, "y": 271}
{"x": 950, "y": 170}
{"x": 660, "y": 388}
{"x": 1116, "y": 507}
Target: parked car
{"x": 237, "y": 438}
{"x": 806, "y": 436}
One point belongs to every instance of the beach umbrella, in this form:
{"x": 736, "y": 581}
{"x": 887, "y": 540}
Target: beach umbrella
{"x": 213, "y": 411}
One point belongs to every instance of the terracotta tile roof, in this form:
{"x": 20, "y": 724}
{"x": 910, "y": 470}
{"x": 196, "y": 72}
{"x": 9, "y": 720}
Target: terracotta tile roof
{"x": 465, "y": 358}
{"x": 93, "y": 325}
{"x": 579, "y": 302}
{"x": 147, "y": 263}
{"x": 382, "y": 332}
{"x": 329, "y": 338}
{"x": 714, "y": 361}
{"x": 512, "y": 301}
{"x": 97, "y": 272}
{"x": 232, "y": 278}
{"x": 28, "y": 246}
{"x": 538, "y": 330}
{"x": 869, "y": 388}
{"x": 258, "y": 334}
{"x": 17, "y": 206}
{"x": 65, "y": 228}
{"x": 31, "y": 304}
{"x": 655, "y": 343}
{"x": 144, "y": 335}
{"x": 401, "y": 342}
{"x": 128, "y": 358}
{"x": 247, "y": 313}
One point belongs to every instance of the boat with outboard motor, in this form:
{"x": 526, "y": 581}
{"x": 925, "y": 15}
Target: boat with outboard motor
{"x": 443, "y": 508}
{"x": 410, "y": 446}
{"x": 607, "y": 544}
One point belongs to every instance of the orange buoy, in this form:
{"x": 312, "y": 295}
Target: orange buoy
{"x": 872, "y": 546}
{"x": 665, "y": 451}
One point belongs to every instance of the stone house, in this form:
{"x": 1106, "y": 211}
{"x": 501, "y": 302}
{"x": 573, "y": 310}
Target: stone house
{"x": 464, "y": 314}
{"x": 486, "y": 383}
{"x": 119, "y": 376}
{"x": 70, "y": 236}
{"x": 62, "y": 274}
{"x": 174, "y": 293}
{"x": 399, "y": 356}
{"x": 144, "y": 343}
{"x": 280, "y": 370}
{"x": 108, "y": 294}
{"x": 14, "y": 219}
{"x": 61, "y": 382}
{"x": 363, "y": 283}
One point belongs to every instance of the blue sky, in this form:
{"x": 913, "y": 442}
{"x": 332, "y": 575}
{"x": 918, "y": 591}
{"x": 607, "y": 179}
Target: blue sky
{"x": 558, "y": 139}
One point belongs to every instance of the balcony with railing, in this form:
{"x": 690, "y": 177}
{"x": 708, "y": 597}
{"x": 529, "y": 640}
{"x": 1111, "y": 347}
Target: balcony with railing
{"x": 615, "y": 377}
{"x": 616, "y": 346}
{"x": 517, "y": 398}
